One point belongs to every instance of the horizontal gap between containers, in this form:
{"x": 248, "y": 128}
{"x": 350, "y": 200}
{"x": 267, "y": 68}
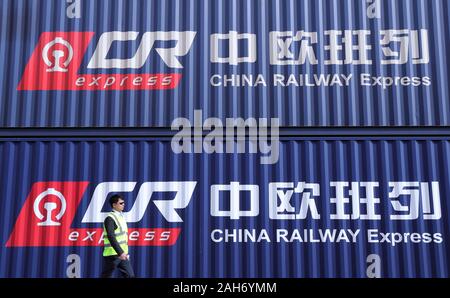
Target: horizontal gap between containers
{"x": 310, "y": 133}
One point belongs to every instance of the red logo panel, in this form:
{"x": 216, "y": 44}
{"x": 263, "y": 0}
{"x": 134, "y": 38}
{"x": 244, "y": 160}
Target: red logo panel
{"x": 55, "y": 63}
{"x": 49, "y": 211}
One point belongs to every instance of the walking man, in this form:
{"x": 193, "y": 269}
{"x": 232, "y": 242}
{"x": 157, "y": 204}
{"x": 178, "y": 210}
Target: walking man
{"x": 115, "y": 236}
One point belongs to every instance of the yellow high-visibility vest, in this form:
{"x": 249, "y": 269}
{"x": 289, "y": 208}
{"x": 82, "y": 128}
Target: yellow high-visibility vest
{"x": 121, "y": 233}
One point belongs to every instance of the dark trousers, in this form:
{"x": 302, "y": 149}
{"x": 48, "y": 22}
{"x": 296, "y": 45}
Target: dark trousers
{"x": 111, "y": 263}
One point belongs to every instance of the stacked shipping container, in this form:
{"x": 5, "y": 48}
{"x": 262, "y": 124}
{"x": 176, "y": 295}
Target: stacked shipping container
{"x": 81, "y": 72}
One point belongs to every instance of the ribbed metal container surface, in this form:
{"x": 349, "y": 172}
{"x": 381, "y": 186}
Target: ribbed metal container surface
{"x": 385, "y": 201}
{"x": 308, "y": 63}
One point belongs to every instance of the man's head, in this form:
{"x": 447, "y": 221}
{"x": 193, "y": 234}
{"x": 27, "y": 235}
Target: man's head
{"x": 117, "y": 202}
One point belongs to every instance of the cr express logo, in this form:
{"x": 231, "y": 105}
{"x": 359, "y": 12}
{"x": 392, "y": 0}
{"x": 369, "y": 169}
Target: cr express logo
{"x": 47, "y": 217}
{"x": 55, "y": 63}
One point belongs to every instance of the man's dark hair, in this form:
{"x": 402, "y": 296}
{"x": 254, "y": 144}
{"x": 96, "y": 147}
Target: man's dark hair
{"x": 114, "y": 199}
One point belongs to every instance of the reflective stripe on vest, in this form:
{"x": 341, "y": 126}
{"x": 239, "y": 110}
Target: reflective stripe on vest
{"x": 121, "y": 234}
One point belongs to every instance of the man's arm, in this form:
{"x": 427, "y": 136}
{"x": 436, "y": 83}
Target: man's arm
{"x": 110, "y": 226}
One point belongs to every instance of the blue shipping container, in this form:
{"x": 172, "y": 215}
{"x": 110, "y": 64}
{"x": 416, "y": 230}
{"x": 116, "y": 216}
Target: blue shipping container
{"x": 130, "y": 63}
{"x": 326, "y": 208}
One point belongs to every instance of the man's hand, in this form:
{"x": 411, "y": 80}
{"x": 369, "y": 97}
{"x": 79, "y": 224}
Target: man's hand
{"x": 123, "y": 256}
